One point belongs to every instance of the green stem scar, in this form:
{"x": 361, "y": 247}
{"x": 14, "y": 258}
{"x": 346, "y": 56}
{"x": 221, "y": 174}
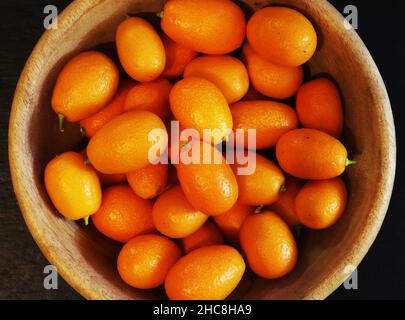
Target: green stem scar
{"x": 87, "y": 162}
{"x": 160, "y": 14}
{"x": 350, "y": 162}
{"x": 259, "y": 209}
{"x": 61, "y": 119}
{"x": 86, "y": 220}
{"x": 283, "y": 188}
{"x": 185, "y": 146}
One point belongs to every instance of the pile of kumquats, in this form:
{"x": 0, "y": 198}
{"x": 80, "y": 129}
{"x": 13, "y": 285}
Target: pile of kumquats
{"x": 171, "y": 169}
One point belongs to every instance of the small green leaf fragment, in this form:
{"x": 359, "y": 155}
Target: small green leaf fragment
{"x": 350, "y": 162}
{"x": 61, "y": 119}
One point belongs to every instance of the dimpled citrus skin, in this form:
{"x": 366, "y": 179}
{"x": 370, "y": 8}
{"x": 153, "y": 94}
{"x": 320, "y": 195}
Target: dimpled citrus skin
{"x": 319, "y": 106}
{"x": 311, "y": 154}
{"x": 209, "y": 187}
{"x": 319, "y": 204}
{"x": 209, "y": 26}
{"x": 269, "y": 245}
{"x": 282, "y": 35}
{"x": 149, "y": 181}
{"x": 143, "y": 60}
{"x": 73, "y": 187}
{"x": 262, "y": 186}
{"x": 152, "y": 96}
{"x": 85, "y": 85}
{"x": 144, "y": 261}
{"x": 207, "y": 235}
{"x": 122, "y": 145}
{"x": 231, "y": 221}
{"x": 208, "y": 273}
{"x": 177, "y": 57}
{"x": 174, "y": 216}
{"x": 96, "y": 121}
{"x": 285, "y": 205}
{"x": 271, "y": 80}
{"x": 197, "y": 103}
{"x": 270, "y": 119}
{"x": 226, "y": 72}
{"x": 122, "y": 214}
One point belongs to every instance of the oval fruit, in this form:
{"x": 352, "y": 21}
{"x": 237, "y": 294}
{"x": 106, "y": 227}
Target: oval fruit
{"x": 177, "y": 58}
{"x": 140, "y": 49}
{"x": 271, "y": 80}
{"x": 73, "y": 186}
{"x": 198, "y": 104}
{"x": 122, "y": 214}
{"x": 270, "y": 119}
{"x": 210, "y": 187}
{"x": 122, "y": 145}
{"x": 226, "y": 72}
{"x": 151, "y": 96}
{"x": 208, "y": 273}
{"x": 263, "y": 185}
{"x": 207, "y": 235}
{"x": 269, "y": 245}
{"x": 285, "y": 205}
{"x": 96, "y": 121}
{"x": 319, "y": 106}
{"x": 311, "y": 154}
{"x": 84, "y": 86}
{"x": 211, "y": 26}
{"x": 282, "y": 35}
{"x": 148, "y": 182}
{"x": 231, "y": 221}
{"x": 319, "y": 204}
{"x": 174, "y": 216}
{"x": 145, "y": 260}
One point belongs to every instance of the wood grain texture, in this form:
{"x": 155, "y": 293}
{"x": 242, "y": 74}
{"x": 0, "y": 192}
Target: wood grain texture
{"x": 87, "y": 260}
{"x": 21, "y": 261}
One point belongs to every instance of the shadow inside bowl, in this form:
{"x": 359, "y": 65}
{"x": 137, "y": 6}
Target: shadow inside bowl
{"x": 87, "y": 260}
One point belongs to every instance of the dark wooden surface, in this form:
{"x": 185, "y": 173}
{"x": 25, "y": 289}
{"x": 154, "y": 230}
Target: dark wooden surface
{"x": 381, "y": 274}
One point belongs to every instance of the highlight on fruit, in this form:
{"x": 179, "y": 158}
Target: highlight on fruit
{"x": 204, "y": 146}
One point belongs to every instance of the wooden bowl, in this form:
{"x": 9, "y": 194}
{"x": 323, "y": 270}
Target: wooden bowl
{"x": 87, "y": 260}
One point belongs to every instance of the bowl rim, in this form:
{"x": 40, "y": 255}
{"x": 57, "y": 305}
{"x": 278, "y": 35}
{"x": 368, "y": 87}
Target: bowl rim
{"x": 16, "y": 155}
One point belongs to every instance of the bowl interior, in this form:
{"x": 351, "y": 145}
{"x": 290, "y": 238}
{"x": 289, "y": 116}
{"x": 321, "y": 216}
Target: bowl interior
{"x": 87, "y": 260}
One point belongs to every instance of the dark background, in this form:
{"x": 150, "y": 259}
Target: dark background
{"x": 380, "y": 275}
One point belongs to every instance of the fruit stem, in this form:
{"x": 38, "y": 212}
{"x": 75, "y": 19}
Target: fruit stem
{"x": 86, "y": 220}
{"x": 83, "y": 132}
{"x": 350, "y": 162}
{"x": 160, "y": 14}
{"x": 87, "y": 162}
{"x": 259, "y": 209}
{"x": 283, "y": 188}
{"x": 61, "y": 119}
